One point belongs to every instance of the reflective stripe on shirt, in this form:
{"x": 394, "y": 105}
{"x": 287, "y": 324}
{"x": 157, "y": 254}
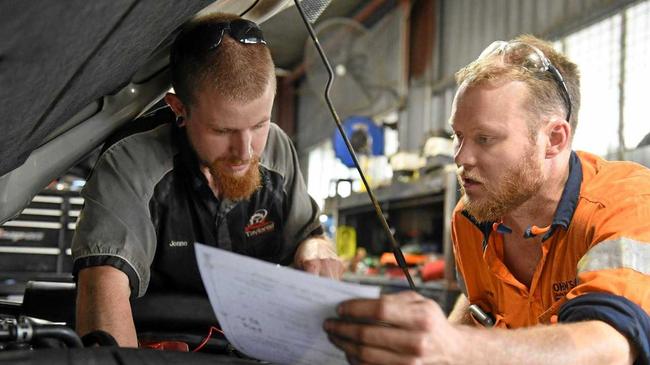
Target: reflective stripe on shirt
{"x": 617, "y": 254}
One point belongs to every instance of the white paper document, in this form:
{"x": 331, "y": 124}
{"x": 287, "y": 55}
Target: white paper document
{"x": 274, "y": 313}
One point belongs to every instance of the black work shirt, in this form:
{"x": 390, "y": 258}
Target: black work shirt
{"x": 147, "y": 202}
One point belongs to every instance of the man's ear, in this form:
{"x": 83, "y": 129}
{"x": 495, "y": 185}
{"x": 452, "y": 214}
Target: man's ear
{"x": 558, "y": 133}
{"x": 177, "y": 106}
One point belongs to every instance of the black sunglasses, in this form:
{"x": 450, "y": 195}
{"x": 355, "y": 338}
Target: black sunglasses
{"x": 207, "y": 37}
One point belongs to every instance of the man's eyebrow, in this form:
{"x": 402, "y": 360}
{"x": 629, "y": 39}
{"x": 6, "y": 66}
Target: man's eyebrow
{"x": 490, "y": 128}
{"x": 230, "y": 129}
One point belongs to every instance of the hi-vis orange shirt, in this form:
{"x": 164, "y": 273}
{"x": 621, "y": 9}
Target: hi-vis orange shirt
{"x": 598, "y": 242}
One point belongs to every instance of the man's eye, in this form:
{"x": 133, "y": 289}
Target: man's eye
{"x": 483, "y": 139}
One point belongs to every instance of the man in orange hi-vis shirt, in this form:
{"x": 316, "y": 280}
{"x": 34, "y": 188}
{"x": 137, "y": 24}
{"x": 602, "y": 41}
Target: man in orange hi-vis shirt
{"x": 552, "y": 246}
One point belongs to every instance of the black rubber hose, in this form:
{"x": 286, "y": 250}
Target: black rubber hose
{"x": 65, "y": 334}
{"x": 101, "y": 338}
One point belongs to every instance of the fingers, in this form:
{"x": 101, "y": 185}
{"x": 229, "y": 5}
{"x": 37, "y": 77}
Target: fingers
{"x": 407, "y": 310}
{"x": 330, "y": 268}
{"x": 403, "y": 328}
{"x": 359, "y": 354}
{"x": 315, "y": 248}
{"x": 311, "y": 266}
{"x": 363, "y": 341}
{"x": 316, "y": 255}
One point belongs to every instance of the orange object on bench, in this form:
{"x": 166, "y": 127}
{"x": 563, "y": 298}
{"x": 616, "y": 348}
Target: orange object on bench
{"x": 433, "y": 270}
{"x": 410, "y": 258}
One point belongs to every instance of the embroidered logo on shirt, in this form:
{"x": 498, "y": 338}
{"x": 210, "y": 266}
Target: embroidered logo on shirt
{"x": 257, "y": 224}
{"x": 178, "y": 244}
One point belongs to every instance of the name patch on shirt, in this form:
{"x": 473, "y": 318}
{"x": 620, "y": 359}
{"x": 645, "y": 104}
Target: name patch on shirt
{"x": 178, "y": 244}
{"x": 258, "y": 224}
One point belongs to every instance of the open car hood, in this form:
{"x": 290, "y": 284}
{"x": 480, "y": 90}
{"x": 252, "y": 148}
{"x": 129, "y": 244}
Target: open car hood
{"x": 72, "y": 72}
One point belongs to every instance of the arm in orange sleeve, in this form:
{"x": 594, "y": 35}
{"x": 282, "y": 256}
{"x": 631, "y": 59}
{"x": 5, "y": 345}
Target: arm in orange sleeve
{"x": 614, "y": 275}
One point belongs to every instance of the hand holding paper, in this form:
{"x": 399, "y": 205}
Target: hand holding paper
{"x": 274, "y": 313}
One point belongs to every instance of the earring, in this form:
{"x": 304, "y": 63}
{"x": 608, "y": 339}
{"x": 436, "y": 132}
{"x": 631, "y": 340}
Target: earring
{"x": 179, "y": 121}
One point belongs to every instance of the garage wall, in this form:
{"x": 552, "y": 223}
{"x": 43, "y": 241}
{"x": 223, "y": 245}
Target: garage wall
{"x": 465, "y": 28}
{"x": 382, "y": 61}
{"x": 468, "y": 26}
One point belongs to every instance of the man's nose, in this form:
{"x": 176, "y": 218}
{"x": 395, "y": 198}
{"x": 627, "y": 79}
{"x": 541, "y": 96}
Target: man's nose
{"x": 240, "y": 145}
{"x": 465, "y": 155}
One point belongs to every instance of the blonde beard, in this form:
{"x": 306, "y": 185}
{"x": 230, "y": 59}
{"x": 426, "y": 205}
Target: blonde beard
{"x": 235, "y": 187}
{"x": 518, "y": 184}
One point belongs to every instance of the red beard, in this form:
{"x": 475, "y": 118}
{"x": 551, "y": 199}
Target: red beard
{"x": 518, "y": 184}
{"x": 235, "y": 187}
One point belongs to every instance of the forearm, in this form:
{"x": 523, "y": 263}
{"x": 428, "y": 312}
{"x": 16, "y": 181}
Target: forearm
{"x": 460, "y": 313}
{"x": 588, "y": 343}
{"x": 103, "y": 304}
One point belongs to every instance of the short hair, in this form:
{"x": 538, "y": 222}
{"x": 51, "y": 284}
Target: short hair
{"x": 545, "y": 95}
{"x": 240, "y": 72}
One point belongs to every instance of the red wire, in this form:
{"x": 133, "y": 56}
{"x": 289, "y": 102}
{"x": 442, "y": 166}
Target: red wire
{"x": 207, "y": 338}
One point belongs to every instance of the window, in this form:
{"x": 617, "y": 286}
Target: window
{"x": 637, "y": 74}
{"x": 320, "y": 167}
{"x": 596, "y": 50}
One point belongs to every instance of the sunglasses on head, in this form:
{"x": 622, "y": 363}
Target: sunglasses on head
{"x": 530, "y": 58}
{"x": 207, "y": 37}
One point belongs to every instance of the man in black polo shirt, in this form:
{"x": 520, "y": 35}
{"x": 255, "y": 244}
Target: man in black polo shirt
{"x": 219, "y": 173}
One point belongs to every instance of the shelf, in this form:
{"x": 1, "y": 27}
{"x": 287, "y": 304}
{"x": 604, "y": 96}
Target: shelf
{"x": 442, "y": 291}
{"x": 36, "y": 244}
{"x": 394, "y": 281}
{"x": 430, "y": 188}
{"x": 417, "y": 212}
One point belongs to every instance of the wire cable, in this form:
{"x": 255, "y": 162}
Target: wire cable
{"x": 207, "y": 338}
{"x": 399, "y": 256}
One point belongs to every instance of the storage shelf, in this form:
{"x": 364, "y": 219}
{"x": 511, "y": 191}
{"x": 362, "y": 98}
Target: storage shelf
{"x": 417, "y": 212}
{"x": 394, "y": 281}
{"x": 36, "y": 244}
